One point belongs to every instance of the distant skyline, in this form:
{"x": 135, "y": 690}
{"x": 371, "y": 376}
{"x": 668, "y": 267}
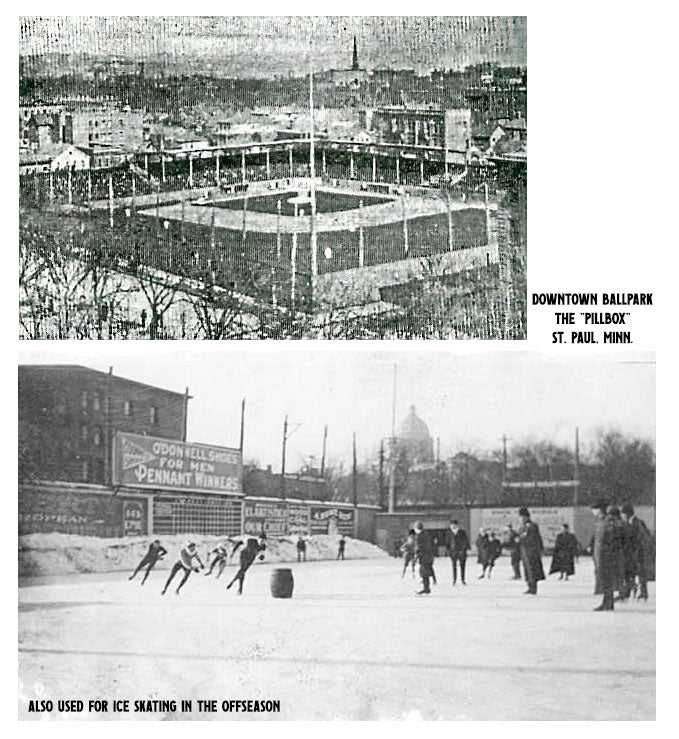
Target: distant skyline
{"x": 469, "y": 400}
{"x": 267, "y": 45}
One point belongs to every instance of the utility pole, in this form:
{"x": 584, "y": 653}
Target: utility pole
{"x": 504, "y": 458}
{"x": 286, "y": 435}
{"x": 392, "y": 451}
{"x": 285, "y": 438}
{"x": 325, "y": 442}
{"x": 381, "y": 474}
{"x": 185, "y": 413}
{"x": 242, "y": 425}
{"x": 354, "y": 478}
{"x": 108, "y": 456}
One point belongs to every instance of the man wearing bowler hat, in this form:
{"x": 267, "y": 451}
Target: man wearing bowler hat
{"x": 457, "y": 544}
{"x": 531, "y": 547}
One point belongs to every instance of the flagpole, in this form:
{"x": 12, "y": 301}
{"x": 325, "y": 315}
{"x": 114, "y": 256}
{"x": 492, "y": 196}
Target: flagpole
{"x": 312, "y": 156}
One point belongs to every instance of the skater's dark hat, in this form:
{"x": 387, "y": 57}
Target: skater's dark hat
{"x": 628, "y": 510}
{"x": 523, "y": 512}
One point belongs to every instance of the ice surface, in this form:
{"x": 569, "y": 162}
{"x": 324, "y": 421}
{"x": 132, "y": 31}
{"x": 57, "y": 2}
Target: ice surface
{"x": 354, "y": 642}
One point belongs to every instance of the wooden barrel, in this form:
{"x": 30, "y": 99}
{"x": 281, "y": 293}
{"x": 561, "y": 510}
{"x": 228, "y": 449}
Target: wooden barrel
{"x": 282, "y": 583}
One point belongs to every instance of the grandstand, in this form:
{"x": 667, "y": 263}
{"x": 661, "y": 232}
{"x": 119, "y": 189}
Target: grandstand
{"x": 360, "y": 222}
{"x": 385, "y": 217}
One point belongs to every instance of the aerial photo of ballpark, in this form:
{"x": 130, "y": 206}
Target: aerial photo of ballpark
{"x": 273, "y": 177}
{"x": 393, "y": 535}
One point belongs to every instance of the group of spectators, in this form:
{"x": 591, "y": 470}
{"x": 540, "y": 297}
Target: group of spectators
{"x": 622, "y": 548}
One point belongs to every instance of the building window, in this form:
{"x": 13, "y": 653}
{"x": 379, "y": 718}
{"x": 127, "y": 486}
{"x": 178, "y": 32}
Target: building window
{"x": 96, "y": 436}
{"x": 83, "y": 400}
{"x": 84, "y": 432}
{"x": 128, "y": 408}
{"x": 153, "y": 414}
{"x": 85, "y": 470}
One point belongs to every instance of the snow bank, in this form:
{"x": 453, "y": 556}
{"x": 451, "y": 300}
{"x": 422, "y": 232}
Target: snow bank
{"x": 64, "y": 554}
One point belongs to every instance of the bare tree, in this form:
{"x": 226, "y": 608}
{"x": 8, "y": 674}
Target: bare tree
{"x": 218, "y": 310}
{"x": 67, "y": 290}
{"x": 160, "y": 290}
{"x": 33, "y": 279}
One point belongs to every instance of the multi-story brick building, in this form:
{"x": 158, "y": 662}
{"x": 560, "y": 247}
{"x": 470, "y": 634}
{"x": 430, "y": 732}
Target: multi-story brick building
{"x": 110, "y": 126}
{"x": 84, "y": 438}
{"x": 68, "y": 415}
{"x": 39, "y": 114}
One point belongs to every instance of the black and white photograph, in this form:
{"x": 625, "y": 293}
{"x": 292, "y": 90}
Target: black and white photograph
{"x": 418, "y": 535}
{"x": 427, "y": 488}
{"x": 272, "y": 177}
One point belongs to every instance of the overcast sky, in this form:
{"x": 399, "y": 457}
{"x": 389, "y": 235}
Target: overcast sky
{"x": 268, "y": 44}
{"x": 469, "y": 400}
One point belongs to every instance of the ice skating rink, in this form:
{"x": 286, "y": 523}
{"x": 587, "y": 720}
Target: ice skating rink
{"x": 353, "y": 643}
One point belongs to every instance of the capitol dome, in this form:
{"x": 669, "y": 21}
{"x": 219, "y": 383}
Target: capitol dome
{"x": 414, "y": 437}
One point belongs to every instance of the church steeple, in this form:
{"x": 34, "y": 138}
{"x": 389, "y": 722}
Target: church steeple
{"x": 354, "y": 60}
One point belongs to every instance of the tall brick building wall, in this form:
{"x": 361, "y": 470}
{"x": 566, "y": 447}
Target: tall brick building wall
{"x": 68, "y": 415}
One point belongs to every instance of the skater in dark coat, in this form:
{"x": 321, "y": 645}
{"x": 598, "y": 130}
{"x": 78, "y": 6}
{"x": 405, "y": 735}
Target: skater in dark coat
{"x": 340, "y": 549}
{"x": 493, "y": 551}
{"x": 613, "y": 514}
{"x": 511, "y": 544}
{"x": 531, "y": 548}
{"x": 628, "y": 548}
{"x": 408, "y": 551}
{"x": 482, "y": 551}
{"x": 301, "y": 550}
{"x": 457, "y": 546}
{"x": 156, "y": 551}
{"x": 185, "y": 565}
{"x": 247, "y": 557}
{"x": 565, "y": 552}
{"x": 605, "y": 555}
{"x": 481, "y": 540}
{"x": 644, "y": 551}
{"x": 424, "y": 551}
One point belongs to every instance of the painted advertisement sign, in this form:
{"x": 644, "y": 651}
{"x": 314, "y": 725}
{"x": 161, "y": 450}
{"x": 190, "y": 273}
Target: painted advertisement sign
{"x": 550, "y": 520}
{"x": 332, "y": 520}
{"x": 298, "y": 520}
{"x": 160, "y": 464}
{"x": 134, "y": 519}
{"x": 267, "y": 517}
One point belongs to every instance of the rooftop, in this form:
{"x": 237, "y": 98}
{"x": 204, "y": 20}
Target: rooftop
{"x": 61, "y": 369}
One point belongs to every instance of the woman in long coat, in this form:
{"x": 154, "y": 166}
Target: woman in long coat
{"x": 565, "y": 552}
{"x": 482, "y": 551}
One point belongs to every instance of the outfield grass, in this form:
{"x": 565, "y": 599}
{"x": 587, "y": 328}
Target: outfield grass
{"x": 326, "y": 202}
